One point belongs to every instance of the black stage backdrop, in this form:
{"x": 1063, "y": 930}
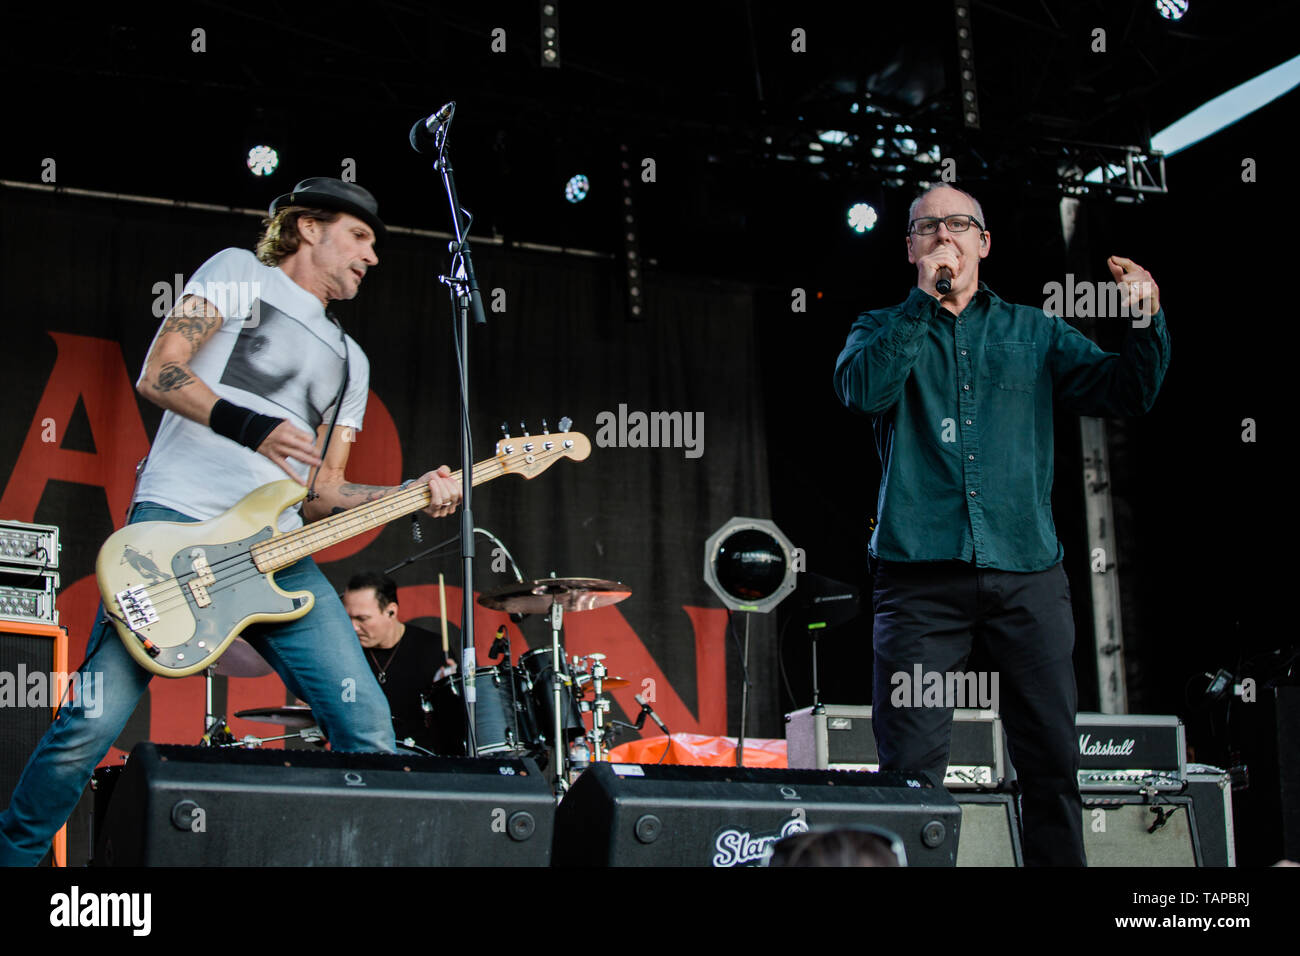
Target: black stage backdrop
{"x": 85, "y": 279}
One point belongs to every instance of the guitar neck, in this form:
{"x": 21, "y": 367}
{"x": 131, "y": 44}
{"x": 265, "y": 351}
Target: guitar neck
{"x": 284, "y": 550}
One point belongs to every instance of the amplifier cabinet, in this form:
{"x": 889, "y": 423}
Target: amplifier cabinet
{"x": 199, "y": 806}
{"x": 1211, "y": 793}
{"x": 841, "y": 738}
{"x": 1129, "y": 829}
{"x": 646, "y": 815}
{"x": 990, "y": 829}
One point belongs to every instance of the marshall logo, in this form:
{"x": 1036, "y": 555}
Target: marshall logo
{"x": 739, "y": 847}
{"x": 1109, "y": 749}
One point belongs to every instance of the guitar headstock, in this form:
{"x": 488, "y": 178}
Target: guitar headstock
{"x": 530, "y": 455}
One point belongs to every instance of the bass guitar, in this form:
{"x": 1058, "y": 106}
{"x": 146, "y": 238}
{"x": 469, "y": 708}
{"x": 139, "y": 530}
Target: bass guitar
{"x": 179, "y": 593}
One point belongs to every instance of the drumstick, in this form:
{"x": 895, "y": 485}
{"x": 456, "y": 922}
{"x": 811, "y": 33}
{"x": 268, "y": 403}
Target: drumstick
{"x": 442, "y": 602}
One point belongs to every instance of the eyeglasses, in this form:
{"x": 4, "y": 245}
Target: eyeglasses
{"x": 929, "y": 225}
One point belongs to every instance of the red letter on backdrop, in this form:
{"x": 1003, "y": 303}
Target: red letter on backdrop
{"x": 93, "y": 370}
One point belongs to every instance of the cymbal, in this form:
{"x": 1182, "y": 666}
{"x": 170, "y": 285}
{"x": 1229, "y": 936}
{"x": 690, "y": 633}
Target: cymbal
{"x": 291, "y": 718}
{"x": 572, "y": 594}
{"x": 240, "y": 660}
{"x": 606, "y": 683}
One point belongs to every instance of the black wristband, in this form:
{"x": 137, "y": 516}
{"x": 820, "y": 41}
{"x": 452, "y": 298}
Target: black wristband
{"x": 242, "y": 425}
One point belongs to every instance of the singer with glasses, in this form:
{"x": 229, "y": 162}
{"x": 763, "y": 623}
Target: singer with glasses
{"x": 961, "y": 387}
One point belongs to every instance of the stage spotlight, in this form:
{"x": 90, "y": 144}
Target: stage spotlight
{"x": 862, "y": 217}
{"x": 1171, "y": 9}
{"x": 1227, "y": 108}
{"x": 749, "y": 564}
{"x": 576, "y": 189}
{"x": 262, "y": 160}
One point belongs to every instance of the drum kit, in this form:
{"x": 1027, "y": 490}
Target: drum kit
{"x": 533, "y": 707}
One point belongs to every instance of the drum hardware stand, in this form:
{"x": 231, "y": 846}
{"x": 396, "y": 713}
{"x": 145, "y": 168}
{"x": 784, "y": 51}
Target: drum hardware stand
{"x": 818, "y": 706}
{"x": 559, "y": 745}
{"x": 311, "y": 735}
{"x": 215, "y": 731}
{"x": 409, "y": 743}
{"x": 744, "y": 696}
{"x": 599, "y": 706}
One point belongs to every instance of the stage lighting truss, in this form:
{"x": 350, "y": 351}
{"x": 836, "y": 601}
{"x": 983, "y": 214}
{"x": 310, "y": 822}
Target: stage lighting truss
{"x": 749, "y": 564}
{"x": 869, "y": 142}
{"x": 1124, "y": 173}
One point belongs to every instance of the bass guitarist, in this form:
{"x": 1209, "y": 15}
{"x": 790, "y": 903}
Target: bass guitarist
{"x": 254, "y": 375}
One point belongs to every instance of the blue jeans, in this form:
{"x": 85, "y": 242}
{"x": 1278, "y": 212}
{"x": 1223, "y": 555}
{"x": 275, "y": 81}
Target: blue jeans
{"x": 317, "y": 656}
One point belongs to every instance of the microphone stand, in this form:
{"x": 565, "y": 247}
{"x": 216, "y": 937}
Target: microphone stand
{"x": 465, "y": 298}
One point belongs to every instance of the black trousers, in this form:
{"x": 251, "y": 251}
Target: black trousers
{"x": 929, "y": 614}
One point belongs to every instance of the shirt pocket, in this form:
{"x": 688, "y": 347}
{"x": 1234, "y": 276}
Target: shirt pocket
{"x": 1013, "y": 366}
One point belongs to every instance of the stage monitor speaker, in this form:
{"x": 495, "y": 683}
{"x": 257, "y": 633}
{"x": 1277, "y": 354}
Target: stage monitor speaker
{"x": 1131, "y": 830}
{"x": 27, "y": 704}
{"x": 646, "y": 815}
{"x": 990, "y": 830}
{"x": 199, "y": 806}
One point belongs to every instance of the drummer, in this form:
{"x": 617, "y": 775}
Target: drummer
{"x": 405, "y": 659}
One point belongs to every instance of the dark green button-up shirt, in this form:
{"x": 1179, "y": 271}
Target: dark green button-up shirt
{"x": 961, "y": 407}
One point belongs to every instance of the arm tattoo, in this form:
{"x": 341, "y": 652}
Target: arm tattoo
{"x": 172, "y": 377}
{"x": 363, "y": 493}
{"x": 194, "y": 322}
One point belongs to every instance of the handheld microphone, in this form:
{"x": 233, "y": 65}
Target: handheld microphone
{"x": 424, "y": 132}
{"x": 944, "y": 285}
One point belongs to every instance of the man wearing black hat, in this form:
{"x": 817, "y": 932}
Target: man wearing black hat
{"x": 255, "y": 376}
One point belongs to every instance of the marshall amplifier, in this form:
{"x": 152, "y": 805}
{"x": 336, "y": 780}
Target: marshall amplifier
{"x": 647, "y": 815}
{"x": 199, "y": 806}
{"x": 841, "y": 738}
{"x": 1131, "y": 752}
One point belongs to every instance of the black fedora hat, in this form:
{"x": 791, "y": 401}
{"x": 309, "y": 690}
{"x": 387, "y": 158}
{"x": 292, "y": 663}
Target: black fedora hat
{"x": 325, "y": 192}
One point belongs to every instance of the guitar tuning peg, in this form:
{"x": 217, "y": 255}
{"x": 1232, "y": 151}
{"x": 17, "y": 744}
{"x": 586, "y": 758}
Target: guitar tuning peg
{"x": 565, "y": 423}
{"x": 545, "y": 430}
{"x": 505, "y": 430}
{"x": 523, "y": 427}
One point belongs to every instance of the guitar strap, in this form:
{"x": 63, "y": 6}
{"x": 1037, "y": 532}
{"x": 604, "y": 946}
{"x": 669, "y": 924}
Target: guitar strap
{"x": 338, "y": 406}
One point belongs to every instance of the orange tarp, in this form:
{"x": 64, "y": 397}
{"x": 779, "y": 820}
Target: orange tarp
{"x": 700, "y": 750}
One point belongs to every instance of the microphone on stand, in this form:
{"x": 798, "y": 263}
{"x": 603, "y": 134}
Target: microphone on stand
{"x": 647, "y": 709}
{"x": 944, "y": 285}
{"x": 424, "y": 132}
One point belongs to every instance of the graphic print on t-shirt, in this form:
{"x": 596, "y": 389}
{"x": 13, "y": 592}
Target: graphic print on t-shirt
{"x": 285, "y": 362}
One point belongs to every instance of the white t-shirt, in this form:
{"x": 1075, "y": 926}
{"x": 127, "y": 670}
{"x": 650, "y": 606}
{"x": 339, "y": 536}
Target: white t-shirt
{"x": 276, "y": 353}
